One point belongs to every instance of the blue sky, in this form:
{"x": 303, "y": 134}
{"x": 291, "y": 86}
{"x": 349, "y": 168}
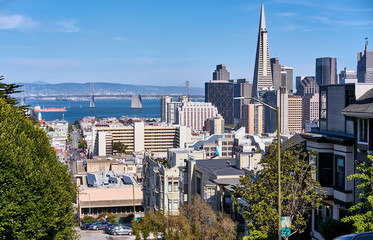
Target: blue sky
{"x": 169, "y": 42}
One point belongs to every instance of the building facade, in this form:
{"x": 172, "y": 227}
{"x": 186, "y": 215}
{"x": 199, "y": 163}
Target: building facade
{"x": 307, "y": 86}
{"x": 140, "y": 137}
{"x": 347, "y": 76}
{"x": 221, "y": 73}
{"x": 194, "y": 114}
{"x": 310, "y": 103}
{"x": 326, "y": 71}
{"x": 252, "y": 118}
{"x": 295, "y": 112}
{"x": 334, "y": 149}
{"x": 276, "y": 72}
{"x": 287, "y": 78}
{"x": 365, "y": 65}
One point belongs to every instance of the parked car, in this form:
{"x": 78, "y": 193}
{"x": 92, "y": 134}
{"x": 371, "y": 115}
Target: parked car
{"x": 98, "y": 225}
{"x": 119, "y": 230}
{"x": 85, "y": 226}
{"x": 356, "y": 236}
{"x": 110, "y": 226}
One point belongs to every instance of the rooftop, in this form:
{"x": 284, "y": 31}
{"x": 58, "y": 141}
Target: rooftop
{"x": 220, "y": 167}
{"x": 362, "y": 107}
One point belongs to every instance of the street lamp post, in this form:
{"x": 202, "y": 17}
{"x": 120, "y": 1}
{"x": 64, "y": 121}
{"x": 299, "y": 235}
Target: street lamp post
{"x": 278, "y": 157}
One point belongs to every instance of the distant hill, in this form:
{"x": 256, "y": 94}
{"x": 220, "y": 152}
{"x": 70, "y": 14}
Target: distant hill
{"x": 101, "y": 88}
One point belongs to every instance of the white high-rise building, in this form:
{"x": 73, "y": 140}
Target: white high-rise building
{"x": 195, "y": 114}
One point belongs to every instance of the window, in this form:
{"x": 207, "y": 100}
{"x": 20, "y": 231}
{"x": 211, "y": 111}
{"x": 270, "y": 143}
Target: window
{"x": 210, "y": 195}
{"x": 363, "y": 130}
{"x": 176, "y": 187}
{"x": 169, "y": 204}
{"x": 170, "y": 186}
{"x": 323, "y": 107}
{"x": 312, "y": 163}
{"x": 176, "y": 204}
{"x": 340, "y": 172}
{"x": 325, "y": 173}
{"x": 198, "y": 185}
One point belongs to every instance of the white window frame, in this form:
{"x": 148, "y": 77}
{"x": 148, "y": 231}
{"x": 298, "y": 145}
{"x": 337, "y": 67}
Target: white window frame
{"x": 358, "y": 131}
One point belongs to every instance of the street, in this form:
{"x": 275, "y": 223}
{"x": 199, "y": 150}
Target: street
{"x": 100, "y": 235}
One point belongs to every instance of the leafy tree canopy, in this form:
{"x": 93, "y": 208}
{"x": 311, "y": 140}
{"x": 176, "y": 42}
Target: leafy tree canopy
{"x": 259, "y": 192}
{"x": 120, "y": 147}
{"x": 362, "y": 212}
{"x": 36, "y": 191}
{"x": 197, "y": 220}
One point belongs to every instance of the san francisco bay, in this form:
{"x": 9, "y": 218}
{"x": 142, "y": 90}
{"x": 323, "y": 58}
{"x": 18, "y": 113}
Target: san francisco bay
{"x": 76, "y": 110}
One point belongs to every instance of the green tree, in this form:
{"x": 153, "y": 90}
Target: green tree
{"x": 70, "y": 128}
{"x": 120, "y": 147}
{"x": 197, "y": 220}
{"x": 259, "y": 192}
{"x": 206, "y": 223}
{"x": 362, "y": 212}
{"x": 36, "y": 191}
{"x": 170, "y": 227}
{"x": 82, "y": 144}
{"x": 6, "y": 91}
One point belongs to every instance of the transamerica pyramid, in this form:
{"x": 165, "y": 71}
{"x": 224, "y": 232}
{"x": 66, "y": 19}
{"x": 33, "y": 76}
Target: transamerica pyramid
{"x": 262, "y": 72}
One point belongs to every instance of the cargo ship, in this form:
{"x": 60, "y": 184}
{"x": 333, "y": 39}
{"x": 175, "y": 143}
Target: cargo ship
{"x": 51, "y": 109}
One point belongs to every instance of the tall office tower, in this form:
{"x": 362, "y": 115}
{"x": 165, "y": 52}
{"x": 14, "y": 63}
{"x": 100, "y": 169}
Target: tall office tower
{"x": 220, "y": 94}
{"x": 310, "y": 103}
{"x": 294, "y": 112}
{"x": 365, "y": 65}
{"x": 220, "y": 73}
{"x": 347, "y": 76}
{"x": 282, "y": 102}
{"x": 241, "y": 88}
{"x": 300, "y": 78}
{"x": 252, "y": 118}
{"x": 326, "y": 71}
{"x": 164, "y": 101}
{"x": 270, "y": 116}
{"x": 287, "y": 78}
{"x": 307, "y": 86}
{"x": 262, "y": 71}
{"x": 276, "y": 72}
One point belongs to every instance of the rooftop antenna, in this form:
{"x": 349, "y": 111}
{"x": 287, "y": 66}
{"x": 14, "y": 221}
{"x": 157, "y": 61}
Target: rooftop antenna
{"x": 91, "y": 96}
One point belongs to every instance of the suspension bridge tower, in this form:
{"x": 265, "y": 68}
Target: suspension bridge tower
{"x": 91, "y": 96}
{"x": 187, "y": 88}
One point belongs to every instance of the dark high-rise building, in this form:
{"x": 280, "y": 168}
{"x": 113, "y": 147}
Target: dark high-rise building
{"x": 262, "y": 71}
{"x": 220, "y": 73}
{"x": 326, "y": 71}
{"x": 220, "y": 94}
{"x": 365, "y": 65}
{"x": 270, "y": 116}
{"x": 276, "y": 72}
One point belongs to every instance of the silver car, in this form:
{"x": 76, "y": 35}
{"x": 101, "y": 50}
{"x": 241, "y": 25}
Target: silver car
{"x": 119, "y": 230}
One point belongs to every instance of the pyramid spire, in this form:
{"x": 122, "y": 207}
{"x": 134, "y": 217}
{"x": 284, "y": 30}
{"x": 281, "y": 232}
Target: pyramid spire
{"x": 262, "y": 26}
{"x": 262, "y": 71}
